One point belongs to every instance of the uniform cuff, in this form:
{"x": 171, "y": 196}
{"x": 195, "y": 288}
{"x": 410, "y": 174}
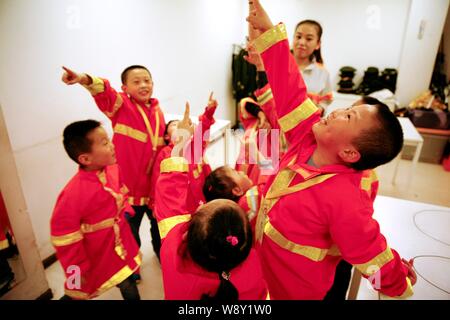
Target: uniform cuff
{"x": 270, "y": 37}
{"x": 97, "y": 85}
{"x": 174, "y": 164}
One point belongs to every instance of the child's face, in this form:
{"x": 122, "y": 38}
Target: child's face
{"x": 338, "y": 131}
{"x": 139, "y": 85}
{"x": 306, "y": 40}
{"x": 240, "y": 179}
{"x": 171, "y": 130}
{"x": 102, "y": 150}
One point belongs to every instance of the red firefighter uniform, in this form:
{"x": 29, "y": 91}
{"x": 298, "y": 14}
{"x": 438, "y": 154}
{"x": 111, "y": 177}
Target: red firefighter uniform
{"x": 138, "y": 136}
{"x": 5, "y": 226}
{"x": 258, "y": 146}
{"x": 311, "y": 218}
{"x": 183, "y": 279}
{"x": 250, "y": 202}
{"x": 91, "y": 235}
{"x": 199, "y": 169}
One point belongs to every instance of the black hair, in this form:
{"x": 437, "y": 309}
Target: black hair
{"x": 316, "y": 53}
{"x": 219, "y": 239}
{"x": 75, "y": 138}
{"x": 381, "y": 143}
{"x": 370, "y": 100}
{"x": 166, "y": 131}
{"x": 218, "y": 185}
{"x": 125, "y": 72}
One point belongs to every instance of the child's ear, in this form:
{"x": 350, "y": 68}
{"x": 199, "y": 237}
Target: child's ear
{"x": 349, "y": 155}
{"x": 84, "y": 159}
{"x": 318, "y": 45}
{"x": 237, "y": 191}
{"x": 124, "y": 88}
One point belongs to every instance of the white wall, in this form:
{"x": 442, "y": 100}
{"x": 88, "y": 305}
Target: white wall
{"x": 359, "y": 33}
{"x": 446, "y": 36}
{"x": 187, "y": 45}
{"x": 419, "y": 52}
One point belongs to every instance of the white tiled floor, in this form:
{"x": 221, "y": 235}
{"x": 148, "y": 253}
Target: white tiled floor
{"x": 431, "y": 184}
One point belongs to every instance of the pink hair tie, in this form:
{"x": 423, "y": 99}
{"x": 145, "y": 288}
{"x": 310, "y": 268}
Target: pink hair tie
{"x": 233, "y": 240}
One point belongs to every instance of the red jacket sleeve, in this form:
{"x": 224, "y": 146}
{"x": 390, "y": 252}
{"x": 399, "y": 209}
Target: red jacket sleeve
{"x": 361, "y": 243}
{"x": 294, "y": 110}
{"x": 171, "y": 195}
{"x": 108, "y": 100}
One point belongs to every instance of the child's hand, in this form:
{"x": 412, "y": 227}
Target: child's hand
{"x": 212, "y": 103}
{"x": 254, "y": 58}
{"x": 258, "y": 17}
{"x": 70, "y": 77}
{"x": 411, "y": 273}
{"x": 184, "y": 131}
{"x": 262, "y": 121}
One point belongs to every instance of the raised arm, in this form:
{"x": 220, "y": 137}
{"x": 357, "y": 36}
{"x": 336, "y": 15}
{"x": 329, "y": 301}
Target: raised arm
{"x": 107, "y": 99}
{"x": 173, "y": 183}
{"x": 287, "y": 86}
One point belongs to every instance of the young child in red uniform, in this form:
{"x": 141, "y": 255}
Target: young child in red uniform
{"x": 318, "y": 208}
{"x": 259, "y": 144}
{"x": 206, "y": 254}
{"x": 138, "y": 124}
{"x": 92, "y": 238}
{"x": 199, "y": 169}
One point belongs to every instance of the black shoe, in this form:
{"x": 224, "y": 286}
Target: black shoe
{"x": 136, "y": 277}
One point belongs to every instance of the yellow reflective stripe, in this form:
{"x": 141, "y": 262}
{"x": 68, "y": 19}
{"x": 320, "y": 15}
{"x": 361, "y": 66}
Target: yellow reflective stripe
{"x": 174, "y": 164}
{"x": 281, "y": 181}
{"x": 97, "y": 86}
{"x": 161, "y": 141}
{"x": 153, "y": 135}
{"x": 375, "y": 264}
{"x": 67, "y": 239}
{"x": 4, "y": 244}
{"x": 312, "y": 253}
{"x": 130, "y": 132}
{"x": 77, "y": 294}
{"x": 117, "y": 278}
{"x": 142, "y": 201}
{"x": 408, "y": 291}
{"x": 303, "y": 172}
{"x": 272, "y": 194}
{"x": 299, "y": 114}
{"x": 88, "y": 228}
{"x": 138, "y": 259}
{"x": 265, "y": 97}
{"x": 252, "y": 197}
{"x": 116, "y": 106}
{"x": 197, "y": 171}
{"x": 270, "y": 37}
{"x": 368, "y": 179}
{"x": 167, "y": 224}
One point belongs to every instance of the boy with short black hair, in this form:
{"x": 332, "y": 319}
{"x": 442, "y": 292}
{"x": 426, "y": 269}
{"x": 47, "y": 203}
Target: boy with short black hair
{"x": 318, "y": 209}
{"x": 138, "y": 124}
{"x": 92, "y": 238}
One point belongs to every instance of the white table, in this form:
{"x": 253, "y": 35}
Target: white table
{"x": 221, "y": 128}
{"x": 420, "y": 230}
{"x": 411, "y": 137}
